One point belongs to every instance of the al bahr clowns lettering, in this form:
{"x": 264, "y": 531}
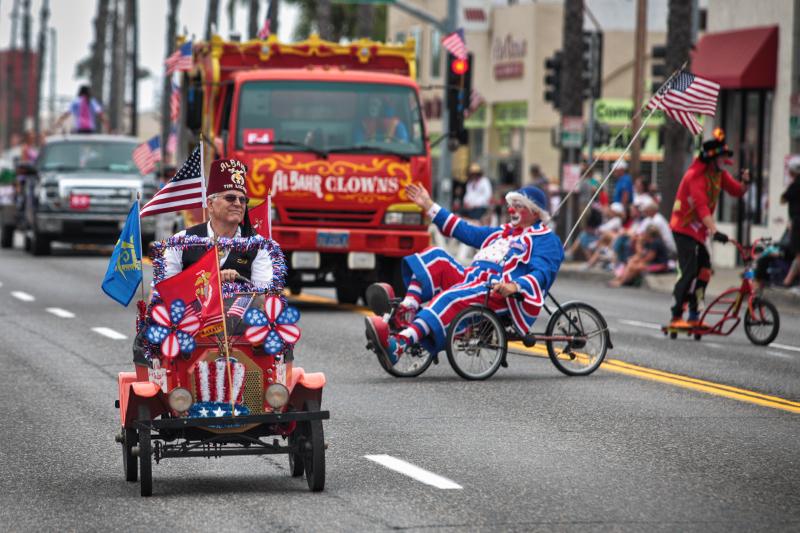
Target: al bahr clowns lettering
{"x": 296, "y": 181}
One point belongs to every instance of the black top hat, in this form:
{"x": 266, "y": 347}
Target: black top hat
{"x": 715, "y": 147}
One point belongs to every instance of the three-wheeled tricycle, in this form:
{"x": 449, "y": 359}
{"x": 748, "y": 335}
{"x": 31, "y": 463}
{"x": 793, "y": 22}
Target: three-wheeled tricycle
{"x": 200, "y": 391}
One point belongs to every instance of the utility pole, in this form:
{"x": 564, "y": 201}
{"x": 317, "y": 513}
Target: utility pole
{"x": 571, "y": 98}
{"x": 679, "y": 41}
{"x": 252, "y": 19}
{"x": 133, "y": 17}
{"x": 795, "y": 142}
{"x": 26, "y": 63}
{"x": 9, "y": 76}
{"x": 272, "y": 15}
{"x": 44, "y": 16}
{"x": 638, "y": 82}
{"x": 53, "y": 56}
{"x": 166, "y": 86}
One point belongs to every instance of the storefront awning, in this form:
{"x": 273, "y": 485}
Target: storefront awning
{"x": 738, "y": 59}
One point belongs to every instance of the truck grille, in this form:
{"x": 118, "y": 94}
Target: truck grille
{"x": 107, "y": 199}
{"x": 327, "y": 218}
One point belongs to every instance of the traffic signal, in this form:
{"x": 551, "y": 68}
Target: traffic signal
{"x": 459, "y": 89}
{"x": 658, "y": 70}
{"x": 552, "y": 79}
{"x": 592, "y": 64}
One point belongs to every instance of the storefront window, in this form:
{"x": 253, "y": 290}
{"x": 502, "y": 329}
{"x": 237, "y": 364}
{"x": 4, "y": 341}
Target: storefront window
{"x": 436, "y": 54}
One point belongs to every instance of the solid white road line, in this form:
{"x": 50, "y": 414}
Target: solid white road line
{"x": 412, "y": 471}
{"x": 61, "y": 313}
{"x": 784, "y": 347}
{"x": 648, "y": 325}
{"x": 110, "y": 333}
{"x": 24, "y": 296}
{"x": 779, "y": 354}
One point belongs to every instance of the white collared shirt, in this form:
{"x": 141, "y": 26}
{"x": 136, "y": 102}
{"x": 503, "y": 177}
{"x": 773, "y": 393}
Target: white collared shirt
{"x": 261, "y": 269}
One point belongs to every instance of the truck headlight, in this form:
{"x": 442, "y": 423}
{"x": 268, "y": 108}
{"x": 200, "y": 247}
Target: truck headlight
{"x": 277, "y": 395}
{"x": 398, "y": 217}
{"x": 180, "y": 399}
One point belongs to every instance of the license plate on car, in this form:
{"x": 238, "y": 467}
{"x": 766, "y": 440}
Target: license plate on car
{"x": 80, "y": 201}
{"x": 333, "y": 239}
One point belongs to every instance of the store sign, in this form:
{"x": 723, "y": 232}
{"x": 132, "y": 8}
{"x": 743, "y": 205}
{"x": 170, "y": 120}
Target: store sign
{"x": 508, "y": 56}
{"x": 617, "y": 114}
{"x": 572, "y": 132}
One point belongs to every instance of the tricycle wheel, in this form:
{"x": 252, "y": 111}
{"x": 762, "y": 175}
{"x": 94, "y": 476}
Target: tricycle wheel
{"x": 296, "y": 464}
{"x": 414, "y": 361}
{"x": 129, "y": 462}
{"x": 585, "y": 352}
{"x": 145, "y": 455}
{"x": 314, "y": 448}
{"x": 763, "y": 325}
{"x": 476, "y": 343}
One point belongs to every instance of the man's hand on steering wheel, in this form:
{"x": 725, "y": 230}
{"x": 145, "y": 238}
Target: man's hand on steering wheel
{"x": 505, "y": 289}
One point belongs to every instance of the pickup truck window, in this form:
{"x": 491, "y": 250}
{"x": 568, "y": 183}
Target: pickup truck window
{"x": 88, "y": 155}
{"x": 329, "y": 116}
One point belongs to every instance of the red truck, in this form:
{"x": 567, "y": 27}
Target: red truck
{"x": 335, "y": 132}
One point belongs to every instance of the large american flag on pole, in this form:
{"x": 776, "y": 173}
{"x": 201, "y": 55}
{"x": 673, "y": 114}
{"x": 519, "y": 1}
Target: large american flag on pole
{"x": 455, "y": 43}
{"x": 187, "y": 190}
{"x": 684, "y": 95}
{"x": 147, "y": 154}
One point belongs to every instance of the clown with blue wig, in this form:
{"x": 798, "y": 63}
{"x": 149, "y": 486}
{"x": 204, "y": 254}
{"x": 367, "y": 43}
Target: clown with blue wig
{"x": 522, "y": 256}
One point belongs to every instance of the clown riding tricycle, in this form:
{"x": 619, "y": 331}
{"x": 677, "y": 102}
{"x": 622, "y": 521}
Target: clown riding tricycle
{"x": 208, "y": 386}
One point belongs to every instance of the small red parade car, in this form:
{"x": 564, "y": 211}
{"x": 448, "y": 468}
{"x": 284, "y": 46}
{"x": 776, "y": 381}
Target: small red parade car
{"x": 193, "y": 396}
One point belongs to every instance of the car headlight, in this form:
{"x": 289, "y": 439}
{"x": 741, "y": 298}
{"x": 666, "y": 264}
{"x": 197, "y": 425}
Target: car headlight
{"x": 277, "y": 395}
{"x": 398, "y": 217}
{"x": 180, "y": 399}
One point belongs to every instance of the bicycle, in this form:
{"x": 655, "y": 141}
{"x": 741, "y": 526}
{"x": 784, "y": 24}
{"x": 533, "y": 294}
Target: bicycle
{"x": 761, "y": 321}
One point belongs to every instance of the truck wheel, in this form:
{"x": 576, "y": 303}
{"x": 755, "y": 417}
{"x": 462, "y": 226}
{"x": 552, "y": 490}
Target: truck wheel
{"x": 7, "y": 236}
{"x": 40, "y": 245}
{"x": 348, "y": 293}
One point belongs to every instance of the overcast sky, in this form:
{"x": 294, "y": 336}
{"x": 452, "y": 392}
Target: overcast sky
{"x": 72, "y": 20}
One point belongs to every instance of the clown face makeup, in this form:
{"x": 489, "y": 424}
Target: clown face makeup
{"x": 521, "y": 216}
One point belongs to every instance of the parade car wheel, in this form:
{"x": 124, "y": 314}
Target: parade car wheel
{"x": 7, "y": 236}
{"x": 296, "y": 464}
{"x": 130, "y": 463}
{"x": 40, "y": 245}
{"x": 145, "y": 455}
{"x": 586, "y": 351}
{"x": 314, "y": 453}
{"x": 476, "y": 343}
{"x": 763, "y": 326}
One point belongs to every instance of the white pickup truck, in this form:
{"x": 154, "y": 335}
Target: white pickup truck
{"x": 80, "y": 191}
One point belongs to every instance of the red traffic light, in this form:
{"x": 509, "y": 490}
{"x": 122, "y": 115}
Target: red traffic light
{"x": 459, "y": 67}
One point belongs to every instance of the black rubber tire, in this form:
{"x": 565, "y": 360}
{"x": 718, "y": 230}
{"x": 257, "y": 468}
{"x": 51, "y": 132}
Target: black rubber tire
{"x": 488, "y": 326}
{"x": 347, "y": 293}
{"x": 580, "y": 313}
{"x": 7, "y": 236}
{"x": 314, "y": 459}
{"x": 130, "y": 463}
{"x": 420, "y": 364}
{"x": 40, "y": 245}
{"x": 673, "y": 335}
{"x": 296, "y": 464}
{"x": 697, "y": 336}
{"x": 768, "y": 308}
{"x": 145, "y": 455}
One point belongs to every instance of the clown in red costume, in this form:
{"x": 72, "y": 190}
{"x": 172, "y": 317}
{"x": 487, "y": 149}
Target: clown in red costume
{"x": 692, "y": 222}
{"x": 520, "y": 257}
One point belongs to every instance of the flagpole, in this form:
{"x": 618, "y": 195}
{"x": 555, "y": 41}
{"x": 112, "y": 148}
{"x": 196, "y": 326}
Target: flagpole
{"x": 203, "y": 173}
{"x": 141, "y": 254}
{"x": 600, "y": 188}
{"x": 612, "y": 143}
{"x": 269, "y": 213}
{"x": 224, "y": 330}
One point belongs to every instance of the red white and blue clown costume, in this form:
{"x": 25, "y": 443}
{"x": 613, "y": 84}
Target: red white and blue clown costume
{"x": 526, "y": 256}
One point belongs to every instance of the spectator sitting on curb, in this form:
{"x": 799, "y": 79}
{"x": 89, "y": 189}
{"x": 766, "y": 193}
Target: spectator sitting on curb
{"x": 773, "y": 263}
{"x": 584, "y": 245}
{"x": 792, "y": 196}
{"x": 651, "y": 256}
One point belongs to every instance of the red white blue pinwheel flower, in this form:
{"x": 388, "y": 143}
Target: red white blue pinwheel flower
{"x": 275, "y": 327}
{"x": 174, "y": 330}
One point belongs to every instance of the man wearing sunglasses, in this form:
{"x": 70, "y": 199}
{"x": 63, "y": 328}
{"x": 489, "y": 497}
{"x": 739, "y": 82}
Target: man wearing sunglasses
{"x": 227, "y": 214}
{"x": 522, "y": 256}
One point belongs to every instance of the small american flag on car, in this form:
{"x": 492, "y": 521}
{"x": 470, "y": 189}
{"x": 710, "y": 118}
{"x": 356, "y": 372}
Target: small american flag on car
{"x": 240, "y": 305}
{"x": 147, "y": 154}
{"x": 684, "y": 95}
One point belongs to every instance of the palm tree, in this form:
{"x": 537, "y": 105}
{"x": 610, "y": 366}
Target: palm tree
{"x": 44, "y": 16}
{"x": 252, "y": 19}
{"x": 337, "y": 21}
{"x": 679, "y": 41}
{"x": 212, "y": 15}
{"x": 119, "y": 46}
{"x": 97, "y": 63}
{"x": 172, "y": 30}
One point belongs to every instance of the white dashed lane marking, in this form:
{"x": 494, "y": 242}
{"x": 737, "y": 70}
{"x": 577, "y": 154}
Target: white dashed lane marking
{"x": 638, "y": 324}
{"x": 413, "y": 471}
{"x": 110, "y": 333}
{"x": 785, "y": 347}
{"x": 24, "y": 296}
{"x": 61, "y": 313}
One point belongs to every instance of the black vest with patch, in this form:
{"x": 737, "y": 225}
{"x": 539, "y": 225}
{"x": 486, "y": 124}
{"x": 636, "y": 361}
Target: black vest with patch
{"x": 241, "y": 262}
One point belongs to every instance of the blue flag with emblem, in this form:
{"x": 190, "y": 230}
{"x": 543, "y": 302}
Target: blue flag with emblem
{"x": 125, "y": 267}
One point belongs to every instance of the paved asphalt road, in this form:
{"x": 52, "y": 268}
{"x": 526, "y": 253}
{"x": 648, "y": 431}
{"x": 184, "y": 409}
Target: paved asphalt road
{"x": 625, "y": 449}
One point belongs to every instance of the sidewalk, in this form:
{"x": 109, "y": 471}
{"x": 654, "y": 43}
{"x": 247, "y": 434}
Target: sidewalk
{"x": 722, "y": 279}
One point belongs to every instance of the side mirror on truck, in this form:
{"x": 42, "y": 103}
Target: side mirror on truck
{"x": 194, "y": 103}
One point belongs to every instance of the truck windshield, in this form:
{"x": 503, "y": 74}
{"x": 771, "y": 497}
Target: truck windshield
{"x": 88, "y": 155}
{"x": 329, "y": 116}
